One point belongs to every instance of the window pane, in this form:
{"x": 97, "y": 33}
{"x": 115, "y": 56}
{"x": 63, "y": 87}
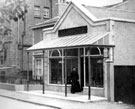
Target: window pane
{"x": 46, "y": 12}
{"x": 72, "y": 52}
{"x": 55, "y": 53}
{"x": 96, "y": 72}
{"x": 38, "y": 67}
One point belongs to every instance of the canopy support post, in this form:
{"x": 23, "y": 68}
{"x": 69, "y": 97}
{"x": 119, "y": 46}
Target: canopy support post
{"x": 62, "y": 66}
{"x": 28, "y": 71}
{"x": 43, "y": 72}
{"x": 84, "y": 65}
{"x": 65, "y": 77}
{"x": 89, "y": 76}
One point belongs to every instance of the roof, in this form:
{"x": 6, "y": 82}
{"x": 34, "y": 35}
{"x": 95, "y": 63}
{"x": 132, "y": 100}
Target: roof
{"x": 102, "y": 12}
{"x": 117, "y": 4}
{"x": 46, "y": 23}
{"x": 69, "y": 41}
{"x": 94, "y": 13}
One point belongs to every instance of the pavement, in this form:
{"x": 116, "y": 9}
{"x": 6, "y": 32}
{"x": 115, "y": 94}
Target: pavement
{"x": 59, "y": 101}
{"x": 77, "y": 97}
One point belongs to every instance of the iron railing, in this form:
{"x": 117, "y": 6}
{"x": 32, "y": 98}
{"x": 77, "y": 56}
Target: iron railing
{"x": 21, "y": 79}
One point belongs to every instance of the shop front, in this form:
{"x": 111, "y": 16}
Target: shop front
{"x": 58, "y": 61}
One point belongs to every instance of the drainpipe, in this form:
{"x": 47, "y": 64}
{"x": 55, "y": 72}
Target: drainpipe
{"x": 24, "y": 32}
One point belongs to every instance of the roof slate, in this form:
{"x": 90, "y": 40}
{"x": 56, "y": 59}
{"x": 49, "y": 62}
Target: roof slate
{"x": 70, "y": 41}
{"x": 47, "y": 22}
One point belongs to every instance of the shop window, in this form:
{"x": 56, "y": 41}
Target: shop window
{"x": 96, "y": 61}
{"x": 46, "y": 12}
{"x": 37, "y": 11}
{"x": 38, "y": 67}
{"x": 55, "y": 66}
{"x": 55, "y": 71}
{"x": 96, "y": 72}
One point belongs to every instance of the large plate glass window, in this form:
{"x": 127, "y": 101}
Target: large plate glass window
{"x": 55, "y": 63}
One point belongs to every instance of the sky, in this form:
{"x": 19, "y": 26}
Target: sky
{"x": 97, "y": 2}
{"x": 94, "y": 2}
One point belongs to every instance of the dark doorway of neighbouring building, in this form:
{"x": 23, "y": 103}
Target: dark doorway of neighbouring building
{"x": 124, "y": 84}
{"x": 2, "y": 76}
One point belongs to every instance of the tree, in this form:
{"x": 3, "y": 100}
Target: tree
{"x": 11, "y": 11}
{"x": 16, "y": 9}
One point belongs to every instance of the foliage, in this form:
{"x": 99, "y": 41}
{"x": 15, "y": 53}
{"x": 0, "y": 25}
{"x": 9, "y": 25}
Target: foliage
{"x": 12, "y": 10}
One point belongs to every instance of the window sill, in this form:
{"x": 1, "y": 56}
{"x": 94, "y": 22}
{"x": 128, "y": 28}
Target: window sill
{"x": 59, "y": 85}
{"x": 94, "y": 87}
{"x": 46, "y": 18}
{"x": 37, "y": 17}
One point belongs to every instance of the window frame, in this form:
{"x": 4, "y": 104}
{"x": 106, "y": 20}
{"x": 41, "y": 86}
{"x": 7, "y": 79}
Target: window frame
{"x": 38, "y": 67}
{"x": 46, "y": 10}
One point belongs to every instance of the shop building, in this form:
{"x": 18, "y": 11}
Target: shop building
{"x": 94, "y": 40}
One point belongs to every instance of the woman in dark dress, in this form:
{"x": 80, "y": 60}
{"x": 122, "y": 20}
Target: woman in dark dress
{"x": 75, "y": 87}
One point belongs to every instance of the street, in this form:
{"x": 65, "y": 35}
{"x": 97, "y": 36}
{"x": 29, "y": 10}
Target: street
{"x": 18, "y": 100}
{"x": 7, "y": 103}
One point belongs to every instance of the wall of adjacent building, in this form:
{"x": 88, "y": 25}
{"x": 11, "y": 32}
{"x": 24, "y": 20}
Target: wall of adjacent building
{"x": 31, "y": 20}
{"x": 124, "y": 38}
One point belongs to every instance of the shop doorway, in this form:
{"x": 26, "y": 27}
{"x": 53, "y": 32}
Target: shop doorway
{"x": 3, "y": 77}
{"x": 70, "y": 63}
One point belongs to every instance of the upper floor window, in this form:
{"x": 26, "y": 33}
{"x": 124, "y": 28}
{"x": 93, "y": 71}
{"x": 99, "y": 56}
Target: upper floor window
{"x": 62, "y": 1}
{"x": 46, "y": 12}
{"x": 37, "y": 11}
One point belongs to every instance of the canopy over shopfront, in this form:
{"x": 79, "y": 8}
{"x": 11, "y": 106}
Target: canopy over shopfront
{"x": 72, "y": 42}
